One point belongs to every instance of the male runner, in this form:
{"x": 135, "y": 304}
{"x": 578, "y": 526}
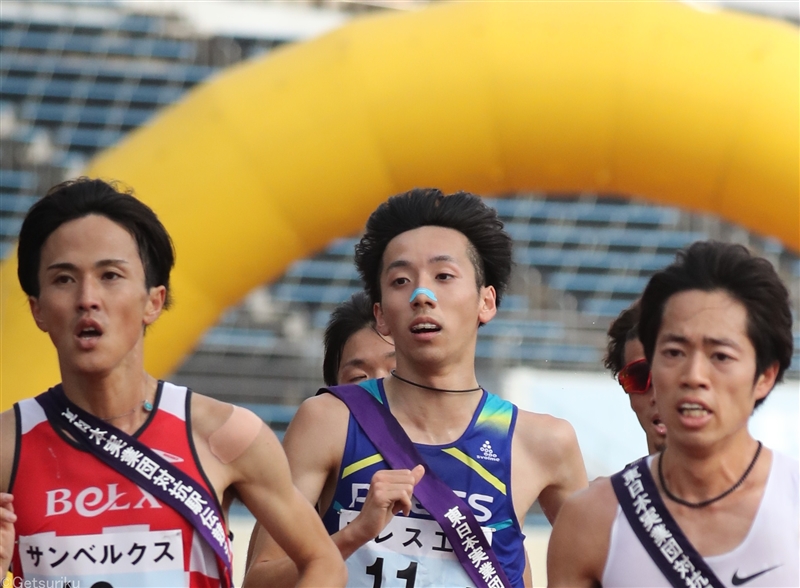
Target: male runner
{"x": 150, "y": 508}
{"x": 436, "y": 267}
{"x": 716, "y": 329}
{"x": 625, "y": 358}
{"x": 353, "y": 351}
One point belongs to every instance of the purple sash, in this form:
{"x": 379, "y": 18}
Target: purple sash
{"x": 144, "y": 467}
{"x": 657, "y": 531}
{"x": 451, "y": 512}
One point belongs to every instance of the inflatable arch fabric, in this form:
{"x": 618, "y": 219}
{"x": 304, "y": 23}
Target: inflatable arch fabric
{"x": 273, "y": 158}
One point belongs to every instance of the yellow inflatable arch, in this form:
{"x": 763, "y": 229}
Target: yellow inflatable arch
{"x": 273, "y": 158}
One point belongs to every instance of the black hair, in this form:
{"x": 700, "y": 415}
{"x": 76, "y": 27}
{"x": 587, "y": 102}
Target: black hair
{"x": 624, "y": 328}
{"x": 490, "y": 245}
{"x": 710, "y": 266}
{"x": 346, "y": 320}
{"x": 78, "y": 198}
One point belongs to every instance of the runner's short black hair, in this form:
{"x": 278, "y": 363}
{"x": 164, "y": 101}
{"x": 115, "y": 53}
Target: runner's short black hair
{"x": 710, "y": 266}
{"x": 346, "y": 320}
{"x": 490, "y": 245}
{"x": 624, "y": 328}
{"x": 82, "y": 197}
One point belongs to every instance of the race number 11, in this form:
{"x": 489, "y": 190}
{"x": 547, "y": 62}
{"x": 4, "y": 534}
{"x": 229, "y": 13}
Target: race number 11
{"x": 376, "y": 570}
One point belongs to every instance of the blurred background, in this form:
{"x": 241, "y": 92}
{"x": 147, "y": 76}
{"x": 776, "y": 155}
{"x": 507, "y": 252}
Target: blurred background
{"x": 76, "y": 77}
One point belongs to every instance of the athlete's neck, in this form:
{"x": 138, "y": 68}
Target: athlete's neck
{"x": 433, "y": 417}
{"x": 122, "y": 401}
{"x": 696, "y": 475}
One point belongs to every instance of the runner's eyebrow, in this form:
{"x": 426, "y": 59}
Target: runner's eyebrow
{"x": 356, "y": 361}
{"x": 397, "y": 263}
{"x": 65, "y": 265}
{"x": 707, "y": 341}
{"x": 435, "y": 259}
{"x": 714, "y": 341}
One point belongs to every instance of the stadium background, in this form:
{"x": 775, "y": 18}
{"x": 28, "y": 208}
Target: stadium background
{"x": 76, "y": 77}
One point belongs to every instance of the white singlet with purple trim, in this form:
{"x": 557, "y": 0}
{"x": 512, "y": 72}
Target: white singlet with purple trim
{"x": 769, "y": 556}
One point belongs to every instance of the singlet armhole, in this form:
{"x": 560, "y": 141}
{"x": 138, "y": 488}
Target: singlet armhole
{"x": 768, "y": 489}
{"x": 612, "y": 547}
{"x": 195, "y": 457}
{"x": 17, "y": 447}
{"x": 512, "y": 427}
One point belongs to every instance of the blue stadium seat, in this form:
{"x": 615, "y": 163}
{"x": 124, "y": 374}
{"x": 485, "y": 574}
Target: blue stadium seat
{"x": 92, "y": 66}
{"x": 98, "y": 44}
{"x": 19, "y": 181}
{"x": 597, "y": 283}
{"x": 544, "y": 210}
{"x": 342, "y": 247}
{"x": 21, "y": 87}
{"x": 539, "y": 352}
{"x": 139, "y": 23}
{"x": 515, "y": 302}
{"x": 230, "y": 337}
{"x": 39, "y": 112}
{"x": 525, "y": 328}
{"x": 606, "y": 307}
{"x": 313, "y": 294}
{"x": 323, "y": 269}
{"x": 607, "y": 236}
{"x": 89, "y": 139}
{"x": 12, "y": 203}
{"x": 545, "y": 257}
{"x": 9, "y": 226}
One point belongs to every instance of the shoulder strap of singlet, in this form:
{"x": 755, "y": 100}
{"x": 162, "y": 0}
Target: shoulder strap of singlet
{"x": 657, "y": 531}
{"x": 451, "y": 512}
{"x": 144, "y": 467}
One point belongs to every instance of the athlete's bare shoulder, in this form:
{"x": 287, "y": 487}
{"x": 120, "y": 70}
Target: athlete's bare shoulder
{"x": 323, "y": 407}
{"x": 547, "y": 437}
{"x": 8, "y": 445}
{"x": 208, "y": 414}
{"x": 319, "y": 417}
{"x": 546, "y": 461}
{"x": 579, "y": 542}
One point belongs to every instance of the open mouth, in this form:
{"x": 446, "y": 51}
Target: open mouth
{"x": 693, "y": 410}
{"x": 88, "y": 330}
{"x": 89, "y": 333}
{"x": 420, "y": 328}
{"x": 660, "y": 427}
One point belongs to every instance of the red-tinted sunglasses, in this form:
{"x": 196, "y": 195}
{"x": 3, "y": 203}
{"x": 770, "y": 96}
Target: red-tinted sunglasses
{"x": 635, "y": 377}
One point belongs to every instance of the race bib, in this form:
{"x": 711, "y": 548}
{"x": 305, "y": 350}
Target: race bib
{"x": 118, "y": 557}
{"x": 409, "y": 553}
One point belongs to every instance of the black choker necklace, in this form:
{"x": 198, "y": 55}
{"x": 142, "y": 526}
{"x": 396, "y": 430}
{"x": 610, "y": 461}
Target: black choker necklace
{"x": 431, "y": 387}
{"x": 674, "y": 498}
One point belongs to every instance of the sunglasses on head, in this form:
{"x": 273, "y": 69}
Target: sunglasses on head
{"x": 635, "y": 377}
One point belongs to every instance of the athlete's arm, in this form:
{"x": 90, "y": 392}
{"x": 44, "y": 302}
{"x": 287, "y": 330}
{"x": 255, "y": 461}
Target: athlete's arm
{"x": 550, "y": 448}
{"x": 578, "y": 547}
{"x": 265, "y": 486}
{"x": 242, "y": 457}
{"x": 314, "y": 443}
{"x": 8, "y": 439}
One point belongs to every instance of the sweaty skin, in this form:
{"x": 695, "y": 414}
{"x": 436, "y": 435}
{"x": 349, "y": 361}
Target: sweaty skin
{"x": 235, "y": 435}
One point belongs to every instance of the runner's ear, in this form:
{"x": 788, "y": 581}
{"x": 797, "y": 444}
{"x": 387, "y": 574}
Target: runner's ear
{"x": 36, "y": 311}
{"x": 156, "y": 297}
{"x": 487, "y": 304}
{"x": 766, "y": 381}
{"x": 380, "y": 320}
